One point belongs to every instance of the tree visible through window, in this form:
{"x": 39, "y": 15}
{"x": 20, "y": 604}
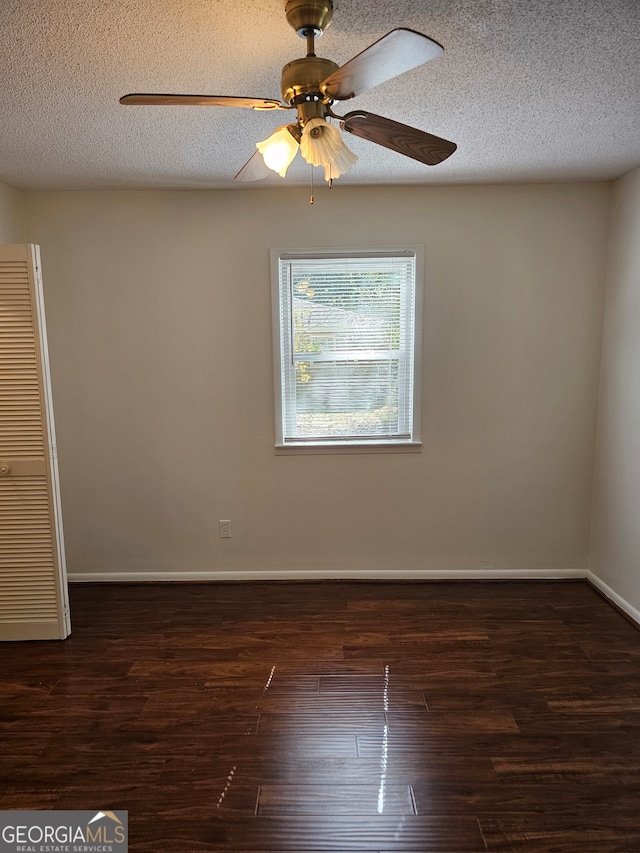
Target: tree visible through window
{"x": 345, "y": 327}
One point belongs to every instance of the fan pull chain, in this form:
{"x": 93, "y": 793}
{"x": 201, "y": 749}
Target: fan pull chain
{"x": 311, "y": 200}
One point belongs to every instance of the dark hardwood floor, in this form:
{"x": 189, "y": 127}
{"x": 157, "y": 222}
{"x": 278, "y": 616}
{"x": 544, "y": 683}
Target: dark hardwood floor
{"x": 300, "y": 718}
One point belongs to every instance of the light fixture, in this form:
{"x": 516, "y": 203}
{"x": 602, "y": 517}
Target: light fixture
{"x": 280, "y": 148}
{"x": 321, "y": 145}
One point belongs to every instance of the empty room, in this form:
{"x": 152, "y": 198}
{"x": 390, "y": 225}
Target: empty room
{"x": 319, "y": 406}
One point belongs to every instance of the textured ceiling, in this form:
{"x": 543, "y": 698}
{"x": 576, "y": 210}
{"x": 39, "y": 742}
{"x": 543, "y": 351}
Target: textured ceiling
{"x": 531, "y": 90}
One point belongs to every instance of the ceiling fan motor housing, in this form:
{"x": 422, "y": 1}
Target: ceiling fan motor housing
{"x": 301, "y": 81}
{"x": 305, "y": 15}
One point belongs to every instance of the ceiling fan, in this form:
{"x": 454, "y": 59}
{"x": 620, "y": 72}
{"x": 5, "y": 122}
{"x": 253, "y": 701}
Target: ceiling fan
{"x": 311, "y": 85}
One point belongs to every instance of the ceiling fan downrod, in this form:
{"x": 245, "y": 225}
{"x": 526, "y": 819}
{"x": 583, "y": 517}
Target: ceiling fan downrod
{"x": 301, "y": 78}
{"x": 310, "y": 35}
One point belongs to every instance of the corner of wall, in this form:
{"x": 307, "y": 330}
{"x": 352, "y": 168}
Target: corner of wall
{"x": 614, "y": 544}
{"x": 606, "y": 273}
{"x": 13, "y": 223}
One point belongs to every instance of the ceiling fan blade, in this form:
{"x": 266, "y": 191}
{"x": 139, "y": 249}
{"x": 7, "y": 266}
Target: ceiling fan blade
{"x": 409, "y": 141}
{"x": 255, "y": 169}
{"x": 393, "y": 54}
{"x": 203, "y": 101}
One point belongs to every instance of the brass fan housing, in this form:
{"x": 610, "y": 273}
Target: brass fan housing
{"x": 303, "y": 76}
{"x": 304, "y": 15}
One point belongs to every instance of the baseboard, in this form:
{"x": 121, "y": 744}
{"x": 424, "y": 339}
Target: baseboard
{"x": 617, "y": 600}
{"x": 325, "y": 574}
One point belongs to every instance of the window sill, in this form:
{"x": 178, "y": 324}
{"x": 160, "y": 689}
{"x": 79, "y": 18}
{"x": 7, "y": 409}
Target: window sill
{"x": 339, "y": 448}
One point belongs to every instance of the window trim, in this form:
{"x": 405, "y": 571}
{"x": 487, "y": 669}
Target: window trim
{"x": 413, "y": 444}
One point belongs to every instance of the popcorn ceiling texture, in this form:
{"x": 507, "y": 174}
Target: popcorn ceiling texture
{"x": 530, "y": 91}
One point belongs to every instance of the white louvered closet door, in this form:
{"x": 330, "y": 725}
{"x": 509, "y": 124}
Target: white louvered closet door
{"x": 33, "y": 583}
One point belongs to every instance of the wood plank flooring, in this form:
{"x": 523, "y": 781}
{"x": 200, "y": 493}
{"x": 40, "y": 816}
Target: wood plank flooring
{"x": 343, "y": 717}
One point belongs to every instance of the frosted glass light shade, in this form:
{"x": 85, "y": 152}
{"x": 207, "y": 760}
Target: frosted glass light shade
{"x": 279, "y": 150}
{"x": 322, "y": 145}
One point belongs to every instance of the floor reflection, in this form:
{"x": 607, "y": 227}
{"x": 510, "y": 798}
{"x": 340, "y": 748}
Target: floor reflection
{"x": 385, "y": 742}
{"x": 248, "y": 731}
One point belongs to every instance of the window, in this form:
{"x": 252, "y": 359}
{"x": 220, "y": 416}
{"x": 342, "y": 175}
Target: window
{"x": 347, "y": 336}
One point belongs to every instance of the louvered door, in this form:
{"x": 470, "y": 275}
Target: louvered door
{"x": 33, "y": 583}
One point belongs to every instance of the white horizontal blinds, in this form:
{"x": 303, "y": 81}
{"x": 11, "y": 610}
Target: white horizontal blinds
{"x": 347, "y": 346}
{"x": 32, "y": 600}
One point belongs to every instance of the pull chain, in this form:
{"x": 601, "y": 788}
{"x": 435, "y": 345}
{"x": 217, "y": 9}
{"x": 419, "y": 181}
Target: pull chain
{"x": 312, "y": 200}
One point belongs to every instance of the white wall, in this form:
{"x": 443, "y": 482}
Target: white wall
{"x": 615, "y": 548}
{"x": 158, "y": 308}
{"x": 11, "y": 215}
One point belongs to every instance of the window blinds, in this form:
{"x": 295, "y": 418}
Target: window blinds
{"x": 347, "y": 327}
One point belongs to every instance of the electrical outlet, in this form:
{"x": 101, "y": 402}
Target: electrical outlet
{"x": 225, "y": 528}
